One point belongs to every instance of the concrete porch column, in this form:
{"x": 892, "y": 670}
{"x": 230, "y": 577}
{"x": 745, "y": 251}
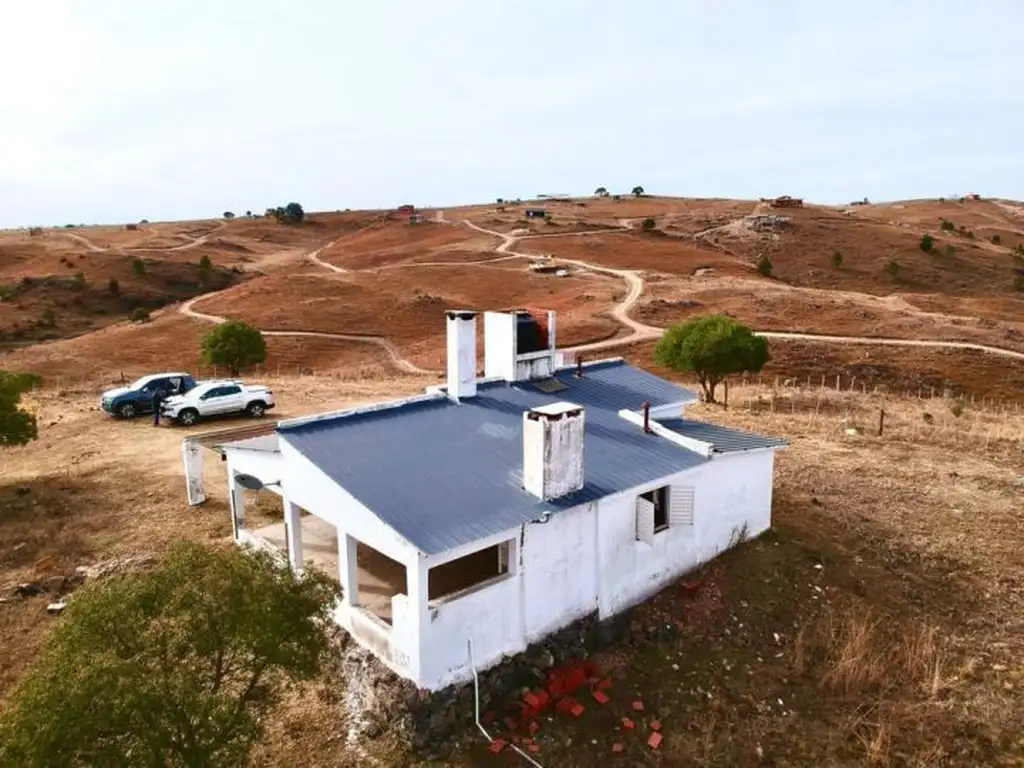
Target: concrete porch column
{"x": 192, "y": 456}
{"x": 348, "y": 569}
{"x": 417, "y": 589}
{"x": 236, "y": 498}
{"x": 293, "y": 534}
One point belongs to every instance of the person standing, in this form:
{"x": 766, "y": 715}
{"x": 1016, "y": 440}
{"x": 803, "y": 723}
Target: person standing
{"x": 158, "y": 399}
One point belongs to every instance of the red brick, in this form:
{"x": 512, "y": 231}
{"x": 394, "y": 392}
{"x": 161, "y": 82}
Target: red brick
{"x": 638, "y": 705}
{"x": 577, "y": 709}
{"x": 627, "y": 723}
{"x": 497, "y": 745}
{"x": 604, "y": 684}
{"x": 656, "y": 725}
{"x": 542, "y": 697}
{"x": 600, "y": 697}
{"x": 655, "y": 741}
{"x": 616, "y": 747}
{"x": 532, "y": 700}
{"x": 534, "y": 748}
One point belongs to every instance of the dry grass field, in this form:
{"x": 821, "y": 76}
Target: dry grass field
{"x": 880, "y": 622}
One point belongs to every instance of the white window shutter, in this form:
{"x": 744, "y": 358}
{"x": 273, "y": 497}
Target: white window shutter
{"x": 680, "y": 505}
{"x": 503, "y": 557}
{"x": 645, "y": 521}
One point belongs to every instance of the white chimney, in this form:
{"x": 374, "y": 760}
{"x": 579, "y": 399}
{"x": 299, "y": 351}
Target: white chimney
{"x": 461, "y": 354}
{"x": 553, "y": 450}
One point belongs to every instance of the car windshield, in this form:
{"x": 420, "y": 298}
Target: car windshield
{"x": 139, "y": 383}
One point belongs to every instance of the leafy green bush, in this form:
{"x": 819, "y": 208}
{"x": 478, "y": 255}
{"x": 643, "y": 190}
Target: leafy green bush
{"x": 837, "y": 259}
{"x": 712, "y": 347}
{"x": 114, "y": 287}
{"x": 234, "y": 345}
{"x": 139, "y": 315}
{"x": 996, "y": 240}
{"x": 648, "y": 224}
{"x": 177, "y": 666}
{"x": 765, "y": 266}
{"x": 138, "y": 266}
{"x": 948, "y": 226}
{"x": 17, "y": 426}
{"x": 927, "y": 243}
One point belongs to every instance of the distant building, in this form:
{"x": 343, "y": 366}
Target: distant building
{"x": 785, "y": 201}
{"x": 536, "y": 213}
{"x": 406, "y": 208}
{"x": 416, "y": 218}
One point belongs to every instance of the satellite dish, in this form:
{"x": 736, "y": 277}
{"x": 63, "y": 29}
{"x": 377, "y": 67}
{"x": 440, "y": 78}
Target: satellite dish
{"x": 249, "y": 482}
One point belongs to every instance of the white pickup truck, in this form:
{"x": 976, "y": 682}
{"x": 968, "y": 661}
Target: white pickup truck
{"x": 218, "y": 398}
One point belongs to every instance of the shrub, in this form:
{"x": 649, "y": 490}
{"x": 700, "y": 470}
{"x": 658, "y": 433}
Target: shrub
{"x": 948, "y": 226}
{"x": 27, "y": 282}
{"x": 205, "y": 264}
{"x": 764, "y": 265}
{"x": 177, "y": 666}
{"x": 234, "y": 345}
{"x": 927, "y": 243}
{"x": 712, "y": 347}
{"x": 139, "y": 315}
{"x": 228, "y": 215}
{"x": 17, "y": 426}
{"x": 837, "y": 259}
{"x": 49, "y": 319}
{"x": 637, "y": 191}
{"x": 289, "y": 214}
{"x": 893, "y": 268}
{"x": 648, "y": 224}
{"x": 996, "y": 240}
{"x": 138, "y": 266}
{"x": 113, "y": 287}
{"x": 34, "y": 231}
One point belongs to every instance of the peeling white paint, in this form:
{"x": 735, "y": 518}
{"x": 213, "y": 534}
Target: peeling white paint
{"x": 553, "y": 440}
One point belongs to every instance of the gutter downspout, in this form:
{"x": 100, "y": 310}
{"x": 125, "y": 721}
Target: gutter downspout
{"x": 476, "y": 701}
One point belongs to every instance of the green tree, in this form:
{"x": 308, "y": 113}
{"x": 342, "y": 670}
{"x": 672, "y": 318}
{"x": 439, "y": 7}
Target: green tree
{"x": 765, "y": 266}
{"x": 17, "y": 426}
{"x": 177, "y": 666}
{"x": 837, "y": 259}
{"x": 234, "y": 345}
{"x": 948, "y": 226}
{"x": 205, "y": 264}
{"x": 228, "y": 215}
{"x": 138, "y": 266}
{"x": 114, "y": 287}
{"x": 927, "y": 243}
{"x": 648, "y": 224}
{"x": 712, "y": 347}
{"x": 637, "y": 191}
{"x": 139, "y": 315}
{"x": 601, "y": 192}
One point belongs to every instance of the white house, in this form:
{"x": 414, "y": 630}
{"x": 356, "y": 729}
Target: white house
{"x": 498, "y": 510}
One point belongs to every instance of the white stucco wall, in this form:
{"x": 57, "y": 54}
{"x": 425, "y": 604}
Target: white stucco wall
{"x": 730, "y": 492}
{"x": 586, "y": 559}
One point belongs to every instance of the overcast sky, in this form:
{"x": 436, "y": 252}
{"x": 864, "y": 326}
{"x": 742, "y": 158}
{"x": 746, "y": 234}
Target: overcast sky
{"x": 117, "y": 110}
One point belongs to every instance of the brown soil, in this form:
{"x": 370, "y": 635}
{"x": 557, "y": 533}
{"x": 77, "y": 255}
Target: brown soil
{"x": 771, "y": 306}
{"x": 904, "y": 371}
{"x": 407, "y": 305}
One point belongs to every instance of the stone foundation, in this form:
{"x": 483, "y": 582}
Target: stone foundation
{"x": 378, "y": 700}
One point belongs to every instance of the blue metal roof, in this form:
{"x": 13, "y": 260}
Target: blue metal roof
{"x": 722, "y": 439}
{"x": 444, "y": 474}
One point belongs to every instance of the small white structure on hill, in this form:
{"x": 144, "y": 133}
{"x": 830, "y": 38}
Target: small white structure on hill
{"x": 500, "y": 509}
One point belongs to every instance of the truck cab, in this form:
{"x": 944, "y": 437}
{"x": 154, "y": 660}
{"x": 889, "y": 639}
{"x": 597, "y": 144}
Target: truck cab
{"x": 137, "y": 398}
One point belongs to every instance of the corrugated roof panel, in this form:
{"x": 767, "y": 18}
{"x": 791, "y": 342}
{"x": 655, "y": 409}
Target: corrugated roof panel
{"x": 444, "y": 474}
{"x": 723, "y": 439}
